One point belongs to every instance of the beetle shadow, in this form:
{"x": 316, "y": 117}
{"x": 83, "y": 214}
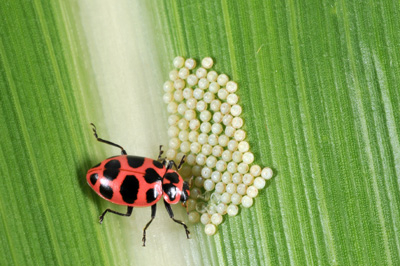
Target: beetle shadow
{"x": 81, "y": 171}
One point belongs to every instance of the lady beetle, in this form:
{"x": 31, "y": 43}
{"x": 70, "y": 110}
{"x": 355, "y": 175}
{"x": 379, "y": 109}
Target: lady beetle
{"x": 138, "y": 182}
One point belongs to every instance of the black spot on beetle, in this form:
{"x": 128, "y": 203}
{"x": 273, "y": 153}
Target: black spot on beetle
{"x": 185, "y": 192}
{"x": 113, "y": 164}
{"x": 110, "y": 174}
{"x": 93, "y": 178}
{"x": 135, "y": 161}
{"x": 172, "y": 177}
{"x": 170, "y": 190}
{"x": 106, "y": 191}
{"x": 151, "y": 195}
{"x": 158, "y": 164}
{"x": 151, "y": 176}
{"x": 129, "y": 189}
{"x": 185, "y": 186}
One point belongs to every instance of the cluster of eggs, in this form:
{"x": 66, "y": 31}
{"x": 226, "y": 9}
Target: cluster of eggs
{"x": 205, "y": 125}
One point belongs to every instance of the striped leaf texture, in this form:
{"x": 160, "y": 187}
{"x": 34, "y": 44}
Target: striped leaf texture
{"x": 319, "y": 86}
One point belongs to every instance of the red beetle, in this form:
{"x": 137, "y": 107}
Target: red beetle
{"x": 138, "y": 182}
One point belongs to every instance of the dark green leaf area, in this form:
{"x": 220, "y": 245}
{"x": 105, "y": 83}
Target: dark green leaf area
{"x": 319, "y": 85}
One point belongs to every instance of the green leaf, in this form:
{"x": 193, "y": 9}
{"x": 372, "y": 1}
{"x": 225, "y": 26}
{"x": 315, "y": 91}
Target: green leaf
{"x": 48, "y": 213}
{"x": 319, "y": 89}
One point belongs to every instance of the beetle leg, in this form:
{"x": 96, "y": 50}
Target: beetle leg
{"x": 123, "y": 152}
{"x": 153, "y": 214}
{"x": 191, "y": 182}
{"x": 128, "y": 213}
{"x": 171, "y": 214}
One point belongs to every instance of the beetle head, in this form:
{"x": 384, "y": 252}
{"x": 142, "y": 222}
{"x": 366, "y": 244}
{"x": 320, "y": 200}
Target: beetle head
{"x": 174, "y": 188}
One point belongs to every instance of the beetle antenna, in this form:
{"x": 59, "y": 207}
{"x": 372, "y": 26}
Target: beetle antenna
{"x": 181, "y": 162}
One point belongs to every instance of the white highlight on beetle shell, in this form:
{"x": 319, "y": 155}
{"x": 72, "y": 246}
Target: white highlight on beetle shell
{"x": 205, "y": 124}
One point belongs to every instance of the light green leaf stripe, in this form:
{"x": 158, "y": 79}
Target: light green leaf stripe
{"x": 48, "y": 215}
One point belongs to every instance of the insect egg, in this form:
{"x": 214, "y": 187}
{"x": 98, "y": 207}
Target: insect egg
{"x": 205, "y": 124}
